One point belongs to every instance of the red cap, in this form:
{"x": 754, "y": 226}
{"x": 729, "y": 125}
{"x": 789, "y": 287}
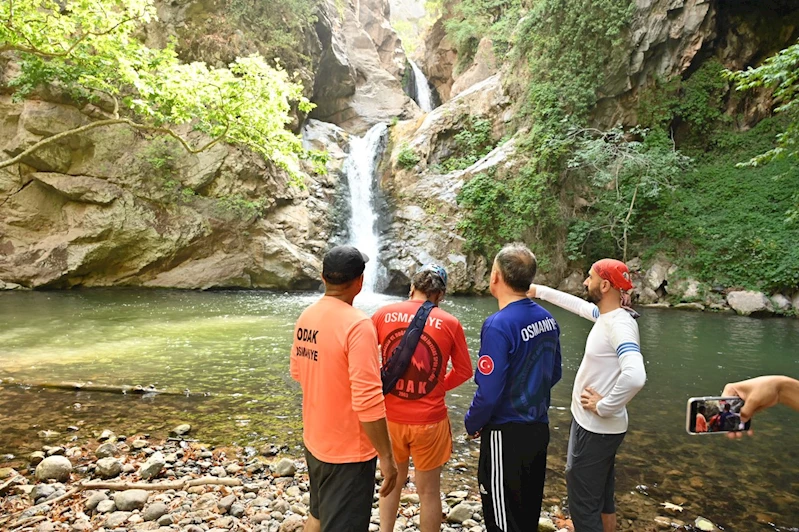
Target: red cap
{"x": 614, "y": 271}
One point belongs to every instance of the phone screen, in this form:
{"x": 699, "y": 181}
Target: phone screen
{"x": 715, "y": 415}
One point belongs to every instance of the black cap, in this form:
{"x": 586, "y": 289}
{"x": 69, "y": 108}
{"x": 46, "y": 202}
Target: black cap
{"x": 342, "y": 264}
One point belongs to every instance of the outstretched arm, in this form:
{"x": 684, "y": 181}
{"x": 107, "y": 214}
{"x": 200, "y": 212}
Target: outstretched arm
{"x": 764, "y": 392}
{"x": 565, "y": 301}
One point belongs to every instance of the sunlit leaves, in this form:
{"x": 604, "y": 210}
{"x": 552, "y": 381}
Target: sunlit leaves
{"x": 90, "y": 50}
{"x": 779, "y": 72}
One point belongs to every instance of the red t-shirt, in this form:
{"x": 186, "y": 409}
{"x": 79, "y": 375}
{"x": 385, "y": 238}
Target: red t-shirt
{"x": 418, "y": 397}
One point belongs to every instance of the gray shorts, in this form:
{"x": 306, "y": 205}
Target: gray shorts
{"x": 590, "y": 476}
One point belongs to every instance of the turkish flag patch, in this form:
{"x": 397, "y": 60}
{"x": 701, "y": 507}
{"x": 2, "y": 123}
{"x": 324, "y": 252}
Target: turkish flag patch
{"x": 485, "y": 365}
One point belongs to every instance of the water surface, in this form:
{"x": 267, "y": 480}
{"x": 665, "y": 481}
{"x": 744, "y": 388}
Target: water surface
{"x": 234, "y": 346}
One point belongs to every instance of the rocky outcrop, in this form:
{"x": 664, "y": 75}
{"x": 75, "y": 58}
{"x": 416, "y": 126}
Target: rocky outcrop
{"x": 110, "y": 207}
{"x": 483, "y": 67}
{"x": 374, "y": 16}
{"x": 437, "y": 59}
{"x": 353, "y": 89}
{"x": 668, "y": 38}
{"x": 424, "y": 206}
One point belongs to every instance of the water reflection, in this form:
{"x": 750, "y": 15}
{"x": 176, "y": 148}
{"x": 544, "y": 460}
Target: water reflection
{"x": 235, "y": 346}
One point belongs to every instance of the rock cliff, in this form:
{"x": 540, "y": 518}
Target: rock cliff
{"x": 114, "y": 207}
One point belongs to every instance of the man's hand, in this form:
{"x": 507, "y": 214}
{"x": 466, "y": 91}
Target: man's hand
{"x": 388, "y": 469}
{"x": 589, "y": 398}
{"x": 758, "y": 394}
{"x": 531, "y": 291}
{"x": 474, "y": 436}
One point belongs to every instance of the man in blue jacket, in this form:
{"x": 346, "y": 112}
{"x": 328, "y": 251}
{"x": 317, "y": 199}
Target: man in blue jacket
{"x": 518, "y": 364}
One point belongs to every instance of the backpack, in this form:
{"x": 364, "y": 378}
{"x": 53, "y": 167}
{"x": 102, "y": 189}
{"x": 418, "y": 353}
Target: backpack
{"x": 397, "y": 363}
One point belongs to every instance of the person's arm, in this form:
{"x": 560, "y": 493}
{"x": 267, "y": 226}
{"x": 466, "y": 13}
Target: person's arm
{"x": 624, "y": 338}
{"x": 557, "y": 370}
{"x": 294, "y": 369}
{"x": 461, "y": 362}
{"x": 377, "y": 432}
{"x": 573, "y": 304}
{"x": 491, "y": 376}
{"x": 764, "y": 392}
{"x": 366, "y": 388}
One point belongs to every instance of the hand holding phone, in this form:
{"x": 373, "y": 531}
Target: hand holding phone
{"x": 715, "y": 415}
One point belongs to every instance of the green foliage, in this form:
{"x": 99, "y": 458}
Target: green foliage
{"x": 474, "y": 19}
{"x": 241, "y": 207}
{"x": 626, "y": 172}
{"x": 407, "y": 158}
{"x": 472, "y": 143}
{"x": 567, "y": 46}
{"x": 731, "y": 225}
{"x": 502, "y": 209}
{"x": 697, "y": 101}
{"x": 91, "y": 52}
{"x": 780, "y": 73}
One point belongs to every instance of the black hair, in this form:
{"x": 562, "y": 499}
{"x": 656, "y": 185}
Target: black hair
{"x": 518, "y": 265}
{"x": 701, "y": 409}
{"x": 429, "y": 282}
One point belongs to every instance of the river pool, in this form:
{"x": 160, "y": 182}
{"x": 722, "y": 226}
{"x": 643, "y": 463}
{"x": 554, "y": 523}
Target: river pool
{"x": 230, "y": 351}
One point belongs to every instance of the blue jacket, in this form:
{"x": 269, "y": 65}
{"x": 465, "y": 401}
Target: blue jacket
{"x": 518, "y": 364}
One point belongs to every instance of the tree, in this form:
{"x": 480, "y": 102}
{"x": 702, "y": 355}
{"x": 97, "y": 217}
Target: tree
{"x": 779, "y": 72}
{"x": 623, "y": 168}
{"x": 90, "y": 50}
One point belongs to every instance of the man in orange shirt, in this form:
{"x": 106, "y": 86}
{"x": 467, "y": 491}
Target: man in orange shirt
{"x": 415, "y": 408}
{"x": 335, "y": 359}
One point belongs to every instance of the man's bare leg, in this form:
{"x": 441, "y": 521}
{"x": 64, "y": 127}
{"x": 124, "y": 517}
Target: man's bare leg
{"x": 390, "y": 504}
{"x": 609, "y": 522}
{"x": 312, "y": 524}
{"x": 428, "y": 484}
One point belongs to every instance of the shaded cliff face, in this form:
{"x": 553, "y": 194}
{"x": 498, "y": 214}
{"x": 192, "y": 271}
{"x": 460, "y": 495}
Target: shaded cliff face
{"x": 670, "y": 38}
{"x": 113, "y": 208}
{"x": 358, "y": 81}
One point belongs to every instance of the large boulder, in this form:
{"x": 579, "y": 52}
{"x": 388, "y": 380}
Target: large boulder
{"x": 781, "y": 302}
{"x": 749, "y": 302}
{"x": 54, "y": 468}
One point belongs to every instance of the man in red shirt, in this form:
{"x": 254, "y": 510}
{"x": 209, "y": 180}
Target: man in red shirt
{"x": 417, "y": 414}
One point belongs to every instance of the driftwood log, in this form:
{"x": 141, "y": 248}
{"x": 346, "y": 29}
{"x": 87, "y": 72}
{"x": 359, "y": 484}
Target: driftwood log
{"x": 91, "y": 387}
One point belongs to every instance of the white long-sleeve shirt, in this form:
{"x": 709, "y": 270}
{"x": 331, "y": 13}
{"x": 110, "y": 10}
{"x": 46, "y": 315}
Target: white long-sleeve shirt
{"x": 612, "y": 364}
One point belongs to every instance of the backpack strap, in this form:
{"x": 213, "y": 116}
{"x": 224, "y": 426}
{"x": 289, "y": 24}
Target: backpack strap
{"x": 400, "y": 358}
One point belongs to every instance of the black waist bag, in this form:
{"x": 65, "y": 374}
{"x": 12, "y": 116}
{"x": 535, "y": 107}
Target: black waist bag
{"x": 397, "y": 363}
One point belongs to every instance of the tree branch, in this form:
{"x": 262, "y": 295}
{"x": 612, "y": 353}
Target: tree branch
{"x": 111, "y": 122}
{"x": 31, "y": 49}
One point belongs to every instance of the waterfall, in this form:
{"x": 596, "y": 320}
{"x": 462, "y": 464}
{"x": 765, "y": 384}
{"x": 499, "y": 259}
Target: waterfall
{"x": 424, "y": 96}
{"x": 360, "y": 169}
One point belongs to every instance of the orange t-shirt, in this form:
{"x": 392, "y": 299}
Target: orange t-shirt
{"x": 336, "y": 361}
{"x": 418, "y": 397}
{"x": 701, "y": 423}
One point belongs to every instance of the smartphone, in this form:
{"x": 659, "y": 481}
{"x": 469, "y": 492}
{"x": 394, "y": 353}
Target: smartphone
{"x": 715, "y": 415}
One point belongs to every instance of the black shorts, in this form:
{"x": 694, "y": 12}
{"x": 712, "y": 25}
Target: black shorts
{"x": 341, "y": 494}
{"x": 591, "y": 476}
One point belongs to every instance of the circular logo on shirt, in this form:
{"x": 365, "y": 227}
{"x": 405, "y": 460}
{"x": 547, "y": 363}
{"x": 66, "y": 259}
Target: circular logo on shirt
{"x": 485, "y": 365}
{"x": 423, "y": 372}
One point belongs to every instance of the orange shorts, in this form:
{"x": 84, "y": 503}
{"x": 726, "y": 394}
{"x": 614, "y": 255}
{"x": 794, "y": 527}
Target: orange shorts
{"x": 429, "y": 445}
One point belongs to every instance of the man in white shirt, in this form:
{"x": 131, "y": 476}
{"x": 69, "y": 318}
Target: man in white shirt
{"x": 611, "y": 373}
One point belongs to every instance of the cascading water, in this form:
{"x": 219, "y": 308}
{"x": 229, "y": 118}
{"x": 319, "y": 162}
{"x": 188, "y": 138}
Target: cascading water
{"x": 424, "y": 95}
{"x": 360, "y": 168}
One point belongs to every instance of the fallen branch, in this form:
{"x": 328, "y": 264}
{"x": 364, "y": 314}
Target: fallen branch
{"x": 161, "y": 486}
{"x": 27, "y": 522}
{"x": 90, "y": 387}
